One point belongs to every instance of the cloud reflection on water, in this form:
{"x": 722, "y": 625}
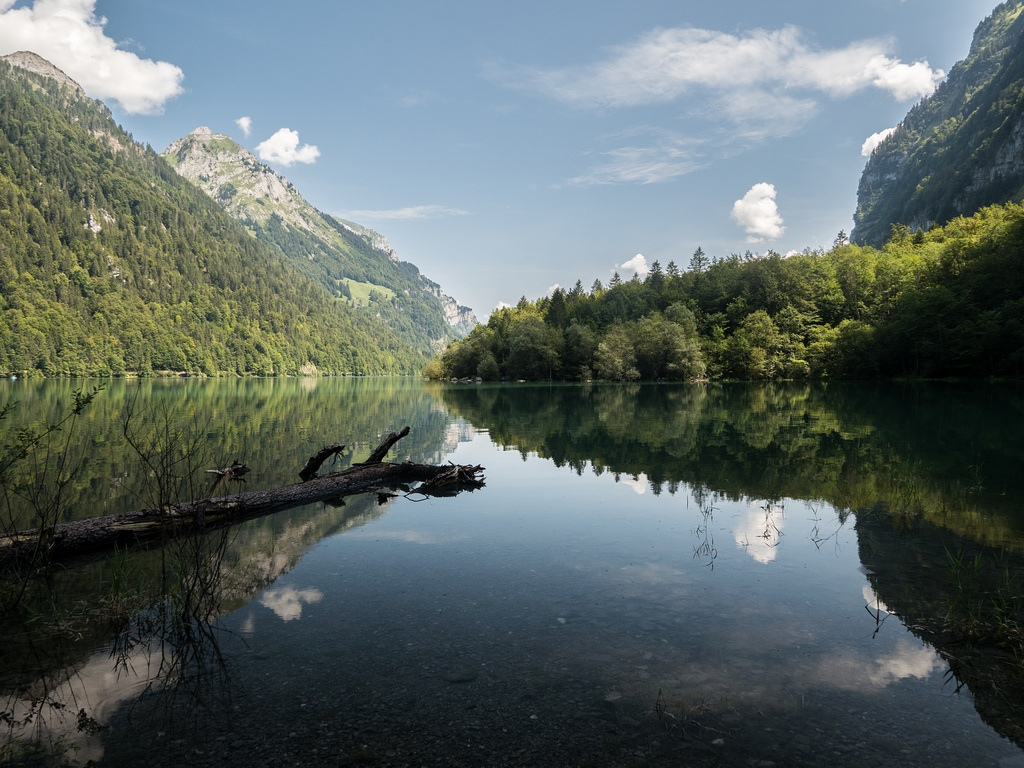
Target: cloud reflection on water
{"x": 287, "y": 602}
{"x": 757, "y": 530}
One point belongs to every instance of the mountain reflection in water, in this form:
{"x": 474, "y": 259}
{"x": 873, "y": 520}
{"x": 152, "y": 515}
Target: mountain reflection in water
{"x": 666, "y": 573}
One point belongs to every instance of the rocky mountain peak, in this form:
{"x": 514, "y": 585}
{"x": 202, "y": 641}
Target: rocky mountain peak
{"x": 251, "y": 192}
{"x": 249, "y": 189}
{"x": 231, "y": 175}
{"x": 35, "y": 63}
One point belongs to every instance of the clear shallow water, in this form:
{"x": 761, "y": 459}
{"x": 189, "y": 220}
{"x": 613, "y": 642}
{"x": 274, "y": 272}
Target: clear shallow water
{"x": 561, "y": 616}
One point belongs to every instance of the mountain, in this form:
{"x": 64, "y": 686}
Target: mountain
{"x": 112, "y": 264}
{"x": 354, "y": 264}
{"x": 958, "y": 150}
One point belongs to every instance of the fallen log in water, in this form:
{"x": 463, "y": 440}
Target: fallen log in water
{"x": 129, "y": 528}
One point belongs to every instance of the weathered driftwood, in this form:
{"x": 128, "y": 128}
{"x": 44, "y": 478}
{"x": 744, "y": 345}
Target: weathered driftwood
{"x": 135, "y": 527}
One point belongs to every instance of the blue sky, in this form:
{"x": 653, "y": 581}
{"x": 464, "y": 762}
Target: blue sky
{"x": 505, "y": 148}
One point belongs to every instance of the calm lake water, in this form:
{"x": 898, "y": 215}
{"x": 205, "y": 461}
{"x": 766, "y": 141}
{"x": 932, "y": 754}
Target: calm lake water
{"x": 749, "y": 575}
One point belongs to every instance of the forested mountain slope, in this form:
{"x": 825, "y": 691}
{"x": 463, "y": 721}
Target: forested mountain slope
{"x": 960, "y": 149}
{"x": 351, "y": 262}
{"x": 111, "y": 263}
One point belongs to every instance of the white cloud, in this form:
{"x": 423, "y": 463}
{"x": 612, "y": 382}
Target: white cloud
{"x": 245, "y": 123}
{"x": 872, "y": 141}
{"x": 283, "y": 148}
{"x": 665, "y": 64}
{"x": 502, "y": 305}
{"x": 70, "y": 35}
{"x": 904, "y": 81}
{"x": 412, "y": 212}
{"x": 755, "y": 85}
{"x": 552, "y": 289}
{"x": 638, "y": 264}
{"x": 757, "y": 212}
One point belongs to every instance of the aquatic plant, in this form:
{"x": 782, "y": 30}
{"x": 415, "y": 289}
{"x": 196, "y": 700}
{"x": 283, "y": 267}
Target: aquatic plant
{"x": 36, "y": 468}
{"x": 986, "y": 606}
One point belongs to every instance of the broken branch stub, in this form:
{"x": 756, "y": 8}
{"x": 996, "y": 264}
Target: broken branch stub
{"x": 382, "y": 450}
{"x": 312, "y": 466}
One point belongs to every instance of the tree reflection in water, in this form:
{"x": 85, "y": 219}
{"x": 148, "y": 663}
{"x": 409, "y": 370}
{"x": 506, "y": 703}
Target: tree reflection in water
{"x": 153, "y": 613}
{"x": 176, "y": 638}
{"x": 156, "y": 614}
{"x": 921, "y": 470}
{"x": 925, "y": 469}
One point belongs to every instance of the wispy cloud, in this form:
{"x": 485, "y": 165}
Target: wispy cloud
{"x": 70, "y": 35}
{"x": 664, "y": 158}
{"x": 418, "y": 99}
{"x": 758, "y": 213}
{"x": 412, "y": 212}
{"x": 666, "y": 64}
{"x": 283, "y": 149}
{"x": 757, "y": 85}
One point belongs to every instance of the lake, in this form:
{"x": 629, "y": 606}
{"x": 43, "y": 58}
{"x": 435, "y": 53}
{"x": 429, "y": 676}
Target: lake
{"x": 687, "y": 574}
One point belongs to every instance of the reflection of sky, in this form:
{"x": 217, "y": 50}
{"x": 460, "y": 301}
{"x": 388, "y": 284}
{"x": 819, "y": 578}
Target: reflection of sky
{"x": 544, "y": 572}
{"x": 287, "y": 602}
{"x": 100, "y": 687}
{"x": 638, "y": 485}
{"x": 872, "y": 601}
{"x": 757, "y": 531}
{"x": 860, "y": 672}
{"x": 413, "y": 537}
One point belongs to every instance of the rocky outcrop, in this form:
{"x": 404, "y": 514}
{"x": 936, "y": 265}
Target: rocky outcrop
{"x": 458, "y": 317}
{"x": 250, "y": 190}
{"x": 374, "y": 239}
{"x": 35, "y": 63}
{"x": 229, "y": 173}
